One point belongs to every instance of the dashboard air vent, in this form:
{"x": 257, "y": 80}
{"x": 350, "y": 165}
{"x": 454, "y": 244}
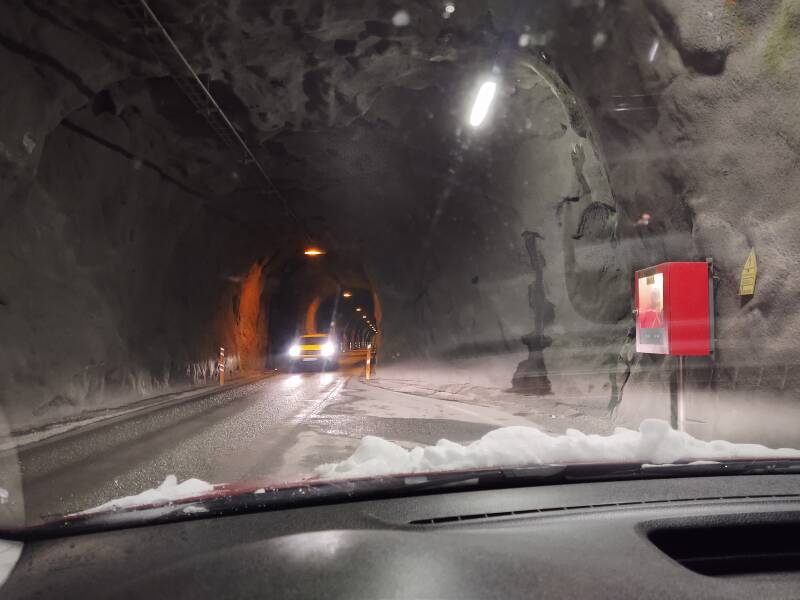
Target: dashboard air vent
{"x": 725, "y": 550}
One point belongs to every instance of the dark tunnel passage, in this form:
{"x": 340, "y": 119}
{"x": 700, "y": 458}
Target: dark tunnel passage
{"x": 137, "y": 238}
{"x": 351, "y": 316}
{"x": 308, "y": 298}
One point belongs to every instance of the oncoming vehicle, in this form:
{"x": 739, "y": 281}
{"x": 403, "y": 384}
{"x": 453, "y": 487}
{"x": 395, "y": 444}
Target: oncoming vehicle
{"x": 316, "y": 350}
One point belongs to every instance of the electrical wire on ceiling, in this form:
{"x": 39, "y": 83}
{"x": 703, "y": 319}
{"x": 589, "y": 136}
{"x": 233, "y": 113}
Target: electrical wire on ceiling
{"x": 170, "y": 56}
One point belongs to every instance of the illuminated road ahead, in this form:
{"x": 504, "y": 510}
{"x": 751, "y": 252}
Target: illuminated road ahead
{"x": 277, "y": 427}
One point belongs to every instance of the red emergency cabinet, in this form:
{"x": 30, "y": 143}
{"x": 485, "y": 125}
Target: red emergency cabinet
{"x": 674, "y": 307}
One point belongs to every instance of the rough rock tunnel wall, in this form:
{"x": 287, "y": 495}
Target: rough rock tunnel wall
{"x": 690, "y": 106}
{"x": 118, "y": 283}
{"x": 121, "y": 276}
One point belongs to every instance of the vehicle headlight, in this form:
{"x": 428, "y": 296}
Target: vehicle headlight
{"x": 294, "y": 350}
{"x": 328, "y": 349}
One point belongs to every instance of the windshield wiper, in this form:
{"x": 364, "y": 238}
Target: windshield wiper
{"x": 321, "y": 492}
{"x": 490, "y": 477}
{"x": 600, "y": 472}
{"x": 576, "y": 473}
{"x": 310, "y": 493}
{"x": 727, "y": 467}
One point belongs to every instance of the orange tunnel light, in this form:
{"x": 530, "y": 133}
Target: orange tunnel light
{"x": 313, "y": 252}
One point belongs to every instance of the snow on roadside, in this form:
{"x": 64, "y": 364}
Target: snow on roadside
{"x": 169, "y": 491}
{"x": 14, "y": 441}
{"x": 654, "y": 442}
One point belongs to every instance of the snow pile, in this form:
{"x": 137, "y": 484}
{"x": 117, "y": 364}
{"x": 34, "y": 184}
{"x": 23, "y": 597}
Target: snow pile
{"x": 654, "y": 442}
{"x": 169, "y": 491}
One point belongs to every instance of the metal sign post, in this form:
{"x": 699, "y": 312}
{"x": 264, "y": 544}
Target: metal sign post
{"x": 680, "y": 412}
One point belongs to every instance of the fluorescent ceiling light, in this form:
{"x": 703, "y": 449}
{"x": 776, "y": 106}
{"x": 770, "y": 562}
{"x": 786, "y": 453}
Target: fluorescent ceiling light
{"x": 482, "y": 103}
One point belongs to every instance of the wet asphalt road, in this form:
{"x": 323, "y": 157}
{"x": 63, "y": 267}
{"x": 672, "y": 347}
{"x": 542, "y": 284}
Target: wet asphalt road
{"x": 232, "y": 435}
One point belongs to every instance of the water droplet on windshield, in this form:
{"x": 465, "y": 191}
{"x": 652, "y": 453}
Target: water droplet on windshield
{"x": 401, "y": 19}
{"x": 599, "y": 40}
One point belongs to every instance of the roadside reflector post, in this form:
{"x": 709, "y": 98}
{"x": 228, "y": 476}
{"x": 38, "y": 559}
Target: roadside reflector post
{"x": 368, "y": 365}
{"x": 221, "y": 365}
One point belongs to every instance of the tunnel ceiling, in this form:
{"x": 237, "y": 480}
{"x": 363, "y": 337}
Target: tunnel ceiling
{"x": 357, "y": 121}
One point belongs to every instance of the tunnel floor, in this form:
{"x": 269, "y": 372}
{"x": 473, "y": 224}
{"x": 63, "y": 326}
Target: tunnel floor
{"x": 278, "y": 428}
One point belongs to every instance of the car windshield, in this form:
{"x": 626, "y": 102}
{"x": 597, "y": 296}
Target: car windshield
{"x": 247, "y": 246}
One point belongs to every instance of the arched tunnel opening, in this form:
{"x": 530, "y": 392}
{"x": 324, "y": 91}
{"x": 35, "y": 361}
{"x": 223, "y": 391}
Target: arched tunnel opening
{"x": 457, "y": 195}
{"x": 310, "y": 298}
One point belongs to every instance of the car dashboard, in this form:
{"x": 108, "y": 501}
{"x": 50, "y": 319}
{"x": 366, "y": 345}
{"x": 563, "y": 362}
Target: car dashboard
{"x": 714, "y": 537}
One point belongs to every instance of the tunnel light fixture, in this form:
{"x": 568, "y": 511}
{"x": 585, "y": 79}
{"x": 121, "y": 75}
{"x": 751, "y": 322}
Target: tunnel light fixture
{"x": 313, "y": 252}
{"x": 651, "y": 56}
{"x": 363, "y": 316}
{"x": 358, "y": 309}
{"x": 482, "y": 103}
{"x": 347, "y": 294}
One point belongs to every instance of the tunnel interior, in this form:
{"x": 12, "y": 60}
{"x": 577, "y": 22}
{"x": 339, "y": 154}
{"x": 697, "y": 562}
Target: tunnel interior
{"x": 136, "y": 240}
{"x": 307, "y": 297}
{"x": 350, "y": 316}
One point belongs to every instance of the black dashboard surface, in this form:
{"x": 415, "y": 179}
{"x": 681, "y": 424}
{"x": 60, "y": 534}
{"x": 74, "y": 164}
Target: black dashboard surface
{"x": 562, "y": 541}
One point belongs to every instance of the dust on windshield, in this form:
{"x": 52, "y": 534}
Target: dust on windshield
{"x": 248, "y": 245}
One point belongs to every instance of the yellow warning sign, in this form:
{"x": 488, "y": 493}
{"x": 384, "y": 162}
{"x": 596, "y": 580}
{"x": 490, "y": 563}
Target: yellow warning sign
{"x": 747, "y": 285}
